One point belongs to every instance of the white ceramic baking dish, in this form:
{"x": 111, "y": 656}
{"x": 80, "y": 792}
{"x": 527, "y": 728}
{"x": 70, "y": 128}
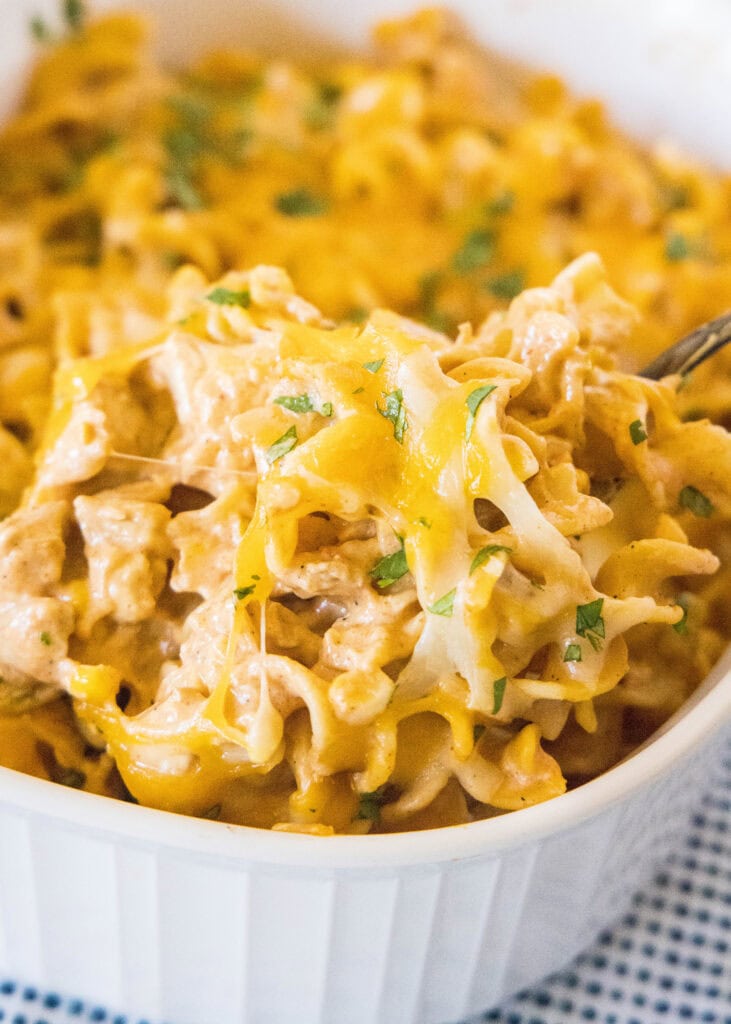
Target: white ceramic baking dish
{"x": 196, "y": 922}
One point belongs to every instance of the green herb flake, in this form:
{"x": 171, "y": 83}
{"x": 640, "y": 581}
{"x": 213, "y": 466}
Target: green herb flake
{"x": 681, "y": 626}
{"x": 282, "y": 446}
{"x": 172, "y": 260}
{"x": 637, "y": 432}
{"x": 694, "y": 414}
{"x": 674, "y": 196}
{"x": 506, "y": 286}
{"x": 487, "y": 552}
{"x": 327, "y": 409}
{"x": 429, "y": 287}
{"x": 498, "y": 692}
{"x": 226, "y": 297}
{"x": 74, "y": 14}
{"x": 296, "y": 403}
{"x": 423, "y": 521}
{"x": 474, "y": 401}
{"x": 356, "y": 315}
{"x": 589, "y": 622}
{"x": 445, "y": 605}
{"x": 184, "y": 144}
{"x": 71, "y": 777}
{"x": 369, "y": 804}
{"x": 319, "y": 115}
{"x": 40, "y": 30}
{"x": 395, "y": 412}
{"x": 677, "y": 247}
{"x": 45, "y": 639}
{"x": 374, "y": 366}
{"x": 181, "y": 189}
{"x": 390, "y": 568}
{"x": 359, "y": 391}
{"x": 696, "y": 502}
{"x": 301, "y": 202}
{"x": 192, "y": 110}
{"x": 439, "y": 321}
{"x": 242, "y": 592}
{"x": 477, "y": 249}
{"x": 502, "y": 203}
{"x": 213, "y": 813}
{"x": 573, "y": 653}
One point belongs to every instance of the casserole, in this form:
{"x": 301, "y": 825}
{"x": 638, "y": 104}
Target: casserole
{"x": 145, "y": 911}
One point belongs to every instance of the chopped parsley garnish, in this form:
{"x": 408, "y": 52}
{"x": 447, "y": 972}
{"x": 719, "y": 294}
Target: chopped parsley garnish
{"x": 356, "y": 315}
{"x": 73, "y": 14}
{"x": 677, "y": 247}
{"x": 573, "y": 653}
{"x": 40, "y": 30}
{"x": 674, "y": 196}
{"x": 241, "y": 592}
{"x": 502, "y": 203}
{"x": 282, "y": 445}
{"x": 319, "y": 114}
{"x": 637, "y": 432}
{"x": 506, "y": 286}
{"x": 395, "y": 412}
{"x": 301, "y": 202}
{"x": 445, "y": 605}
{"x": 181, "y": 188}
{"x": 498, "y": 692}
{"x": 589, "y": 622}
{"x": 191, "y": 139}
{"x": 681, "y": 626}
{"x": 369, "y": 804}
{"x": 423, "y": 521}
{"x": 696, "y": 502}
{"x": 46, "y": 639}
{"x": 476, "y": 250}
{"x": 359, "y": 391}
{"x": 327, "y": 409}
{"x": 296, "y": 403}
{"x": 484, "y": 553}
{"x": 71, "y": 777}
{"x": 390, "y": 568}
{"x": 184, "y": 145}
{"x": 226, "y": 297}
{"x": 213, "y": 813}
{"x": 691, "y": 415}
{"x": 374, "y": 366}
{"x": 474, "y": 401}
{"x": 172, "y": 260}
{"x": 429, "y": 286}
{"x": 193, "y": 111}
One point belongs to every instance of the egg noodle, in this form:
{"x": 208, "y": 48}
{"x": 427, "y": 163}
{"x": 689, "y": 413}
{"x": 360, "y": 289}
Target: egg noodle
{"x": 344, "y": 562}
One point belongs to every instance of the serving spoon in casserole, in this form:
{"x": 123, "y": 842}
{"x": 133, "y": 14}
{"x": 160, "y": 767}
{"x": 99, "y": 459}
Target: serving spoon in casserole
{"x": 692, "y": 350}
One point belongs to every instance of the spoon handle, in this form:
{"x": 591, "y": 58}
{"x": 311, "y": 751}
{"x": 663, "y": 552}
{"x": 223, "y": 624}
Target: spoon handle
{"x": 693, "y": 349}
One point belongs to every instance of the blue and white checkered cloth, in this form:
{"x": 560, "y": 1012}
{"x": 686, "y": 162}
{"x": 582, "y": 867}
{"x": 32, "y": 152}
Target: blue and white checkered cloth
{"x": 667, "y": 962}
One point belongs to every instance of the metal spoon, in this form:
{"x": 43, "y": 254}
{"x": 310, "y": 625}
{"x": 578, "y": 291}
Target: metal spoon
{"x": 692, "y": 350}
